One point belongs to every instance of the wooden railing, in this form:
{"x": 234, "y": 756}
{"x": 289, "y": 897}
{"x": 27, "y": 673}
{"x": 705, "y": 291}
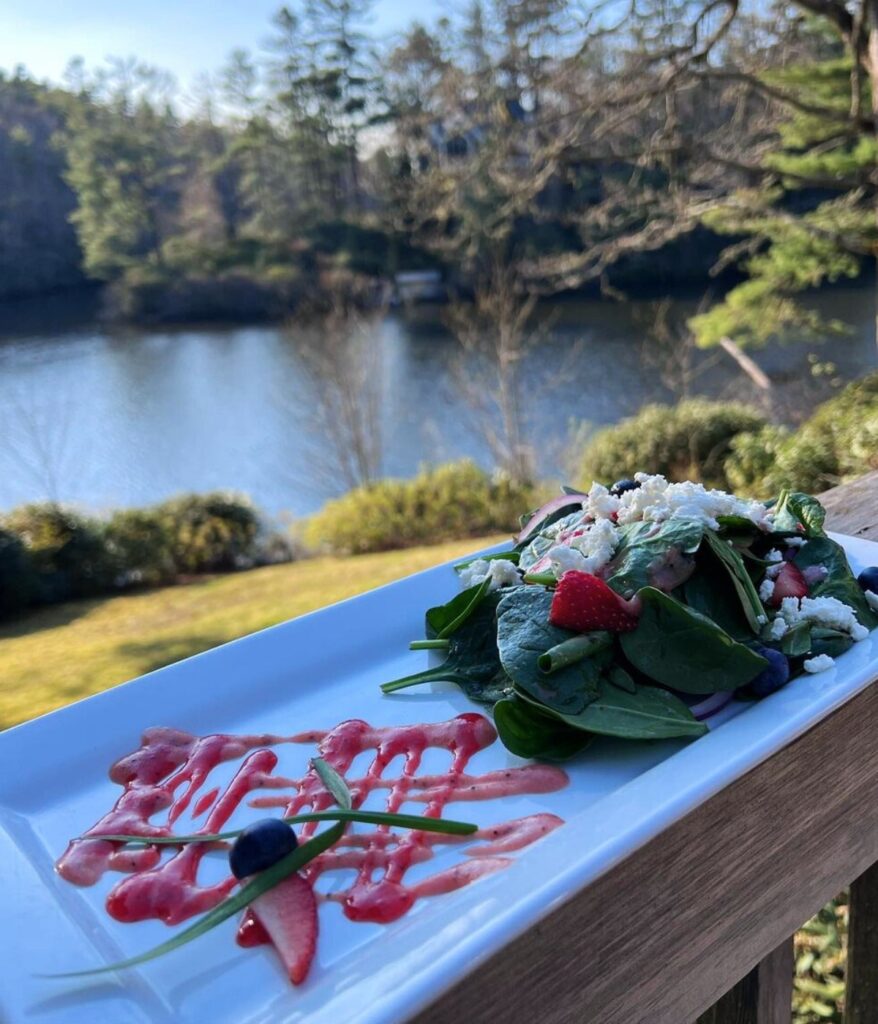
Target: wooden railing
{"x": 763, "y": 995}
{"x": 696, "y": 925}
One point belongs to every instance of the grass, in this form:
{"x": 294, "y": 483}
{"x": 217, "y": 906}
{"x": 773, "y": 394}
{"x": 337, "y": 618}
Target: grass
{"x": 60, "y": 654}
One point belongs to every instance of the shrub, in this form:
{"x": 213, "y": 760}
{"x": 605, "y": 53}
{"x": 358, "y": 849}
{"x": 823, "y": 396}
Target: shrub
{"x": 17, "y": 579}
{"x": 752, "y": 457}
{"x": 839, "y": 442}
{"x": 210, "y": 532}
{"x": 443, "y": 503}
{"x": 689, "y": 441}
{"x": 66, "y": 550}
{"x": 140, "y": 544}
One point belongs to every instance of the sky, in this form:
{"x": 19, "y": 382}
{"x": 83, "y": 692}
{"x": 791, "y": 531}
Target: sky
{"x": 185, "y": 37}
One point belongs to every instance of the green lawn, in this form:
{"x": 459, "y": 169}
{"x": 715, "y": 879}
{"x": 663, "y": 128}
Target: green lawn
{"x": 57, "y": 655}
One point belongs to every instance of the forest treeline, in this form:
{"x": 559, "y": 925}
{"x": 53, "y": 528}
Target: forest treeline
{"x": 523, "y": 148}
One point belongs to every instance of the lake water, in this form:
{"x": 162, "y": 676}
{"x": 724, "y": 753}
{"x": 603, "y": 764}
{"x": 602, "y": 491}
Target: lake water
{"x": 106, "y": 416}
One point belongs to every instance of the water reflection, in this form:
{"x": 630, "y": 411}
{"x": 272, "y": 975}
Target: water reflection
{"x": 107, "y": 417}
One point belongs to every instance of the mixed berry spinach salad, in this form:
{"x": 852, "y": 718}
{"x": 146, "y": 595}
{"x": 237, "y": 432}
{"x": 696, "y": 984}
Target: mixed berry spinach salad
{"x": 638, "y": 610}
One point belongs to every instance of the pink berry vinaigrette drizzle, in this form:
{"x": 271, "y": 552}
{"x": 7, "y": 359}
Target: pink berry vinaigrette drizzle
{"x": 170, "y": 769}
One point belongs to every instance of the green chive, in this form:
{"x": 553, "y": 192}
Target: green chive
{"x": 334, "y": 783}
{"x": 545, "y": 579}
{"x": 413, "y": 821}
{"x": 262, "y": 882}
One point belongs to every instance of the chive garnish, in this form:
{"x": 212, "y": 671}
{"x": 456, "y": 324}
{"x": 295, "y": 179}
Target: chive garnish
{"x": 265, "y": 880}
{"x": 413, "y": 821}
{"x": 334, "y": 783}
{"x": 261, "y": 883}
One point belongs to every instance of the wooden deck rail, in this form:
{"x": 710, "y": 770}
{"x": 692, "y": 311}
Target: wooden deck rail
{"x": 696, "y": 925}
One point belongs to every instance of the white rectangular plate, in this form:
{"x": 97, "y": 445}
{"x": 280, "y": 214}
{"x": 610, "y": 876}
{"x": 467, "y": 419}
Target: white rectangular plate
{"x": 312, "y": 673}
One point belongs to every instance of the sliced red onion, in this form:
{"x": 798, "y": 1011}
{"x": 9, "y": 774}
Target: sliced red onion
{"x": 710, "y": 705}
{"x": 574, "y": 501}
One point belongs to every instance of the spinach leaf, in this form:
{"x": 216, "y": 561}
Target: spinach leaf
{"x": 567, "y": 510}
{"x": 524, "y": 635}
{"x": 710, "y": 591}
{"x": 642, "y": 548}
{"x": 473, "y": 662}
{"x": 794, "y": 509}
{"x": 528, "y": 732}
{"x": 840, "y": 581}
{"x": 619, "y": 677}
{"x": 681, "y": 648}
{"x": 444, "y": 619}
{"x": 737, "y": 525}
{"x": 734, "y": 566}
{"x": 796, "y": 642}
{"x": 829, "y": 641}
{"x": 650, "y": 713}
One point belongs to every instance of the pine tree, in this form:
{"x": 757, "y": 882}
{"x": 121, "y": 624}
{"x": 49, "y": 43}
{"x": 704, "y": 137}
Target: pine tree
{"x": 125, "y": 166}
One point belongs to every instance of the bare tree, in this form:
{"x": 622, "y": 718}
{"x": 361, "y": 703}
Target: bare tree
{"x": 35, "y": 441}
{"x": 342, "y": 357}
{"x": 496, "y": 332}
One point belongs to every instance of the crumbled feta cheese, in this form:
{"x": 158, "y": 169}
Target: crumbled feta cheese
{"x": 600, "y": 503}
{"x": 778, "y": 628}
{"x": 819, "y": 664}
{"x": 773, "y": 570}
{"x": 871, "y": 600}
{"x": 656, "y": 500}
{"x": 761, "y": 619}
{"x": 795, "y": 542}
{"x": 774, "y": 556}
{"x": 474, "y": 573}
{"x": 766, "y": 589}
{"x": 564, "y": 559}
{"x": 501, "y": 571}
{"x": 598, "y": 543}
{"x": 588, "y": 548}
{"x": 823, "y": 611}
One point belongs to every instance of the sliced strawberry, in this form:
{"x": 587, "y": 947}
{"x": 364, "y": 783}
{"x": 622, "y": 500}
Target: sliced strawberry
{"x": 584, "y": 602}
{"x": 789, "y": 582}
{"x": 288, "y": 913}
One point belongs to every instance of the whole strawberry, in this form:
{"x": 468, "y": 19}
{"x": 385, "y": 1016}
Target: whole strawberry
{"x": 584, "y": 602}
{"x": 789, "y": 582}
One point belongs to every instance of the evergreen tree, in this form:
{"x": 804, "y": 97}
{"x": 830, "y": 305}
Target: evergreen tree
{"x": 122, "y": 147}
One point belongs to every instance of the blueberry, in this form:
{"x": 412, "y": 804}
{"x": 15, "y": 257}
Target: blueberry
{"x": 775, "y": 675}
{"x": 868, "y": 579}
{"x": 260, "y": 845}
{"x": 621, "y": 486}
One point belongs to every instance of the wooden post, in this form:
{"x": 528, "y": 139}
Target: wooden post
{"x": 764, "y": 996}
{"x": 861, "y": 973}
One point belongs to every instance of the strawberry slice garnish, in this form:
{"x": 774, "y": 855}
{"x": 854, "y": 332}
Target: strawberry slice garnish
{"x": 584, "y": 602}
{"x": 288, "y": 913}
{"x": 789, "y": 582}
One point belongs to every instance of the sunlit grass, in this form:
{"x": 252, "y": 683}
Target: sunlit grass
{"x": 57, "y": 655}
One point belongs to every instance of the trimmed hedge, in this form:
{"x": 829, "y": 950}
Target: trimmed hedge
{"x": 17, "y": 580}
{"x": 66, "y": 551}
{"x": 49, "y": 553}
{"x": 689, "y": 441}
{"x": 213, "y": 532}
{"x": 442, "y": 503}
{"x": 140, "y": 544}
